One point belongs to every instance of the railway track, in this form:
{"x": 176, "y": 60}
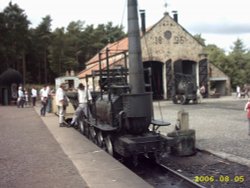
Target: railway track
{"x": 187, "y": 182}
{"x": 161, "y": 176}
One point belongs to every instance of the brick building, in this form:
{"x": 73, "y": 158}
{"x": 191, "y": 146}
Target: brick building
{"x": 166, "y": 47}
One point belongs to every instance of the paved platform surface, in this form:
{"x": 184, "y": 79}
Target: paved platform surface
{"x": 35, "y": 152}
{"x": 221, "y": 125}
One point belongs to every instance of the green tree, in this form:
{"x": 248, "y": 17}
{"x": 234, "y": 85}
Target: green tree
{"x": 216, "y": 55}
{"x": 14, "y": 31}
{"x": 199, "y": 38}
{"x": 57, "y": 51}
{"x": 238, "y": 62}
{"x": 42, "y": 36}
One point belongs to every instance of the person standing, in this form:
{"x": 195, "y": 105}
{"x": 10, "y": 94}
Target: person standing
{"x": 26, "y": 97}
{"x": 20, "y": 99}
{"x": 48, "y": 108}
{"x": 33, "y": 96}
{"x": 61, "y": 102}
{"x": 44, "y": 100}
{"x": 84, "y": 96}
{"x": 203, "y": 90}
{"x": 238, "y": 94}
{"x": 247, "y": 109}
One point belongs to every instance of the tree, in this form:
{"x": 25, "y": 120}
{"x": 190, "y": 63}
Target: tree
{"x": 42, "y": 54}
{"x": 43, "y": 35}
{"x": 14, "y": 31}
{"x": 57, "y": 51}
{"x": 199, "y": 38}
{"x": 239, "y": 61}
{"x": 216, "y": 55}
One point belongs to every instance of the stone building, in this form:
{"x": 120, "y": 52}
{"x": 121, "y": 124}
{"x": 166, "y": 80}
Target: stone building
{"x": 219, "y": 82}
{"x": 167, "y": 48}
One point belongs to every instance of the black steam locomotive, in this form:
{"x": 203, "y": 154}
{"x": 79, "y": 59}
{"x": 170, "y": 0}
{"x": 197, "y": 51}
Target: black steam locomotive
{"x": 184, "y": 89}
{"x": 120, "y": 119}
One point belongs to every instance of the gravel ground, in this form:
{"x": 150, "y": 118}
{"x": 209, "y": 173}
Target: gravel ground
{"x": 220, "y": 124}
{"x": 211, "y": 171}
{"x": 30, "y": 157}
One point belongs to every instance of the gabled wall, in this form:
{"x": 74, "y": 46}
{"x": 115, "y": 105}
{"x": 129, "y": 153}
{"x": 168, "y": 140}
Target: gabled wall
{"x": 168, "y": 40}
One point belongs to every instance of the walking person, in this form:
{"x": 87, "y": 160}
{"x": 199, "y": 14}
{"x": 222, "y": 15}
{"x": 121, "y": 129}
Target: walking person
{"x": 84, "y": 96}
{"x": 238, "y": 94}
{"x": 20, "y": 99}
{"x": 49, "y": 104}
{"x": 44, "y": 100}
{"x": 247, "y": 109}
{"x": 26, "y": 97}
{"x": 33, "y": 96}
{"x": 62, "y": 103}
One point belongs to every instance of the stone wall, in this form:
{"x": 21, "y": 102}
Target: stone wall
{"x": 168, "y": 40}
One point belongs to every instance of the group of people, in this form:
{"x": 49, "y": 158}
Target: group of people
{"x": 24, "y": 97}
{"x": 84, "y": 96}
{"x": 242, "y": 93}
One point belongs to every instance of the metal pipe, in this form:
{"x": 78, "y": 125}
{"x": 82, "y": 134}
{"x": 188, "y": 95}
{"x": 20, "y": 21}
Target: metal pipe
{"x": 136, "y": 73}
{"x": 100, "y": 69}
{"x": 108, "y": 76}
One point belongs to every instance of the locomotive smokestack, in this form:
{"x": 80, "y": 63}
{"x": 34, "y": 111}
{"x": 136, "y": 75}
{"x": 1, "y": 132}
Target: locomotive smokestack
{"x": 136, "y": 74}
{"x": 143, "y": 22}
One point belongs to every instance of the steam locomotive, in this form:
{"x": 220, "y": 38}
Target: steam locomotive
{"x": 120, "y": 119}
{"x": 184, "y": 89}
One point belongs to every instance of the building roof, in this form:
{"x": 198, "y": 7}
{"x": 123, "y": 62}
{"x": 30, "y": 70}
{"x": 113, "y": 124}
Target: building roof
{"x": 115, "y": 49}
{"x": 10, "y": 76}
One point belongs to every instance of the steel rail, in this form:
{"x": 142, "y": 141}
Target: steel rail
{"x": 182, "y": 177}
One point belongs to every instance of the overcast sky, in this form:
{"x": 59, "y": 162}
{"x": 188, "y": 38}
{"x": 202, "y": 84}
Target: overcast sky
{"x": 220, "y": 22}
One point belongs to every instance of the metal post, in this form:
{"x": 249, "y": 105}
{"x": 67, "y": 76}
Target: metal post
{"x": 136, "y": 73}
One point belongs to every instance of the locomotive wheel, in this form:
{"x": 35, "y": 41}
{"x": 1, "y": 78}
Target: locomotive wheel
{"x": 99, "y": 139}
{"x": 156, "y": 156}
{"x": 195, "y": 101}
{"x": 108, "y": 145}
{"x": 183, "y": 99}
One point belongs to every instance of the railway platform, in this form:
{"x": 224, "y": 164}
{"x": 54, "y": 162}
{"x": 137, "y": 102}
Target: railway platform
{"x": 36, "y": 152}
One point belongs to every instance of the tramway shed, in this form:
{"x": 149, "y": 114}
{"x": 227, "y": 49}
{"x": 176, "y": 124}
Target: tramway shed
{"x": 168, "y": 49}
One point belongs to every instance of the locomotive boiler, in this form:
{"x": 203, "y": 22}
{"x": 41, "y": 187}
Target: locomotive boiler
{"x": 120, "y": 119}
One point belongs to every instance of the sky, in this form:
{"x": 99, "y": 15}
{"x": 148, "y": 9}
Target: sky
{"x": 219, "y": 22}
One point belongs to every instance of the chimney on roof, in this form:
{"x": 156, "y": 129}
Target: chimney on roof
{"x": 175, "y": 15}
{"x": 143, "y": 21}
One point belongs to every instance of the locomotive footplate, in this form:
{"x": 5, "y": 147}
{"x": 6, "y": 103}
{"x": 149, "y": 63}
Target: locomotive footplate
{"x": 158, "y": 123}
{"x": 129, "y": 145}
